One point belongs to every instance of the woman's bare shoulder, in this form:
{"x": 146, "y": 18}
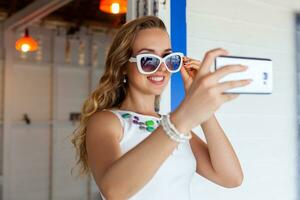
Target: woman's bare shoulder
{"x": 106, "y": 123}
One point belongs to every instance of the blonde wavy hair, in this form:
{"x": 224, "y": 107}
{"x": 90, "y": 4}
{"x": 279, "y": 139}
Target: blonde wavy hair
{"x": 111, "y": 89}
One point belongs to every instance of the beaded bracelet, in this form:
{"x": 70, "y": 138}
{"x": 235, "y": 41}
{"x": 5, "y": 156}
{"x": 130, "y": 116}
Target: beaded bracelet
{"x": 175, "y": 136}
{"x": 172, "y": 132}
{"x": 182, "y": 135}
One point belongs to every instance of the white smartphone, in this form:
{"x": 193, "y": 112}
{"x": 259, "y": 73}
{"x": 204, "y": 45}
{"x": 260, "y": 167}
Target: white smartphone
{"x": 259, "y": 70}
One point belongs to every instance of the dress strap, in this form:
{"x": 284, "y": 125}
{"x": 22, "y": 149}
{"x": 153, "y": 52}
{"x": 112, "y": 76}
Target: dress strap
{"x": 117, "y": 114}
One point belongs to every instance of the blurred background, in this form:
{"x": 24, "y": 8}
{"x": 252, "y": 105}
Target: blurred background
{"x": 52, "y": 54}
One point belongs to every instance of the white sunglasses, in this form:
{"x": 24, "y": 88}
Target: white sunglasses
{"x": 148, "y": 63}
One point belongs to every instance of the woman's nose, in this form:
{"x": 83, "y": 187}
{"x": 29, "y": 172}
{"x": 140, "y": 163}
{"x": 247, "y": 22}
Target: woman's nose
{"x": 162, "y": 67}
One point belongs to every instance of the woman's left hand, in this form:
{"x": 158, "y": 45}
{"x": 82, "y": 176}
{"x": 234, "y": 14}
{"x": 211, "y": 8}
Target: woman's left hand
{"x": 189, "y": 70}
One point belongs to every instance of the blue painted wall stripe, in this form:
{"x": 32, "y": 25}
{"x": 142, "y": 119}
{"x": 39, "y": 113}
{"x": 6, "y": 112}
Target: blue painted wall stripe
{"x": 178, "y": 41}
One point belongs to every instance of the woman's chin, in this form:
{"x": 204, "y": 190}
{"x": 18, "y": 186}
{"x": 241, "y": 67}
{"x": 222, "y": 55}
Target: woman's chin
{"x": 158, "y": 91}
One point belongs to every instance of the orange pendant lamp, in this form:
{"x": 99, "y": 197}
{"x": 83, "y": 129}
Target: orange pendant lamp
{"x": 26, "y": 43}
{"x": 113, "y": 6}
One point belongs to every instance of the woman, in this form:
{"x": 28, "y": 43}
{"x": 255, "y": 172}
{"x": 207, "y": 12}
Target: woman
{"x": 132, "y": 151}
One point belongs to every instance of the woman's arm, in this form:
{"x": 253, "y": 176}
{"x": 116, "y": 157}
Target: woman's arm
{"x": 216, "y": 160}
{"x": 120, "y": 177}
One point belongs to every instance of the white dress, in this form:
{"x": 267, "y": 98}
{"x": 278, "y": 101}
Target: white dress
{"x": 173, "y": 178}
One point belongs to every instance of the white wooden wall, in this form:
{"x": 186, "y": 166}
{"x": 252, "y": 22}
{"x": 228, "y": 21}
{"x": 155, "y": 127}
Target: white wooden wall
{"x": 48, "y": 85}
{"x": 263, "y": 129}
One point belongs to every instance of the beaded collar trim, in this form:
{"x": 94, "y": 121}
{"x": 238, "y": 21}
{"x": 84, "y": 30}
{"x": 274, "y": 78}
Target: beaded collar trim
{"x": 148, "y": 125}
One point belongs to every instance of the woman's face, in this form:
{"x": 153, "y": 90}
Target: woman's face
{"x": 155, "y": 41}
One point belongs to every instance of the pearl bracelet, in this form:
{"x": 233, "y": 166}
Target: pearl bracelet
{"x": 172, "y": 132}
{"x": 182, "y": 135}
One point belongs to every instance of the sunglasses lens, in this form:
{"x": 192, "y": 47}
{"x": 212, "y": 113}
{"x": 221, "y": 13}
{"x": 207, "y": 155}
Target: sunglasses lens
{"x": 173, "y": 62}
{"x": 149, "y": 64}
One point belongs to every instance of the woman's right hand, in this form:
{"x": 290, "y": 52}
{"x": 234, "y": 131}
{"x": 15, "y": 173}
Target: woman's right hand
{"x": 205, "y": 95}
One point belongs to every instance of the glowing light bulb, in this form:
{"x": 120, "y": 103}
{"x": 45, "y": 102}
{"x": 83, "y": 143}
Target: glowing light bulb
{"x": 25, "y": 47}
{"x": 115, "y": 8}
{"x": 26, "y": 43}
